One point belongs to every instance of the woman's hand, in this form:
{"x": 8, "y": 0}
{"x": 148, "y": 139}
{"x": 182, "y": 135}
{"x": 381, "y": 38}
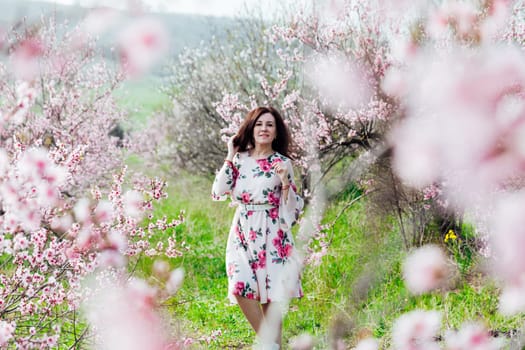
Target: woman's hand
{"x": 282, "y": 172}
{"x": 231, "y": 148}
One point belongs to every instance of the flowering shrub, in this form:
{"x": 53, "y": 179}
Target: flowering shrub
{"x": 63, "y": 215}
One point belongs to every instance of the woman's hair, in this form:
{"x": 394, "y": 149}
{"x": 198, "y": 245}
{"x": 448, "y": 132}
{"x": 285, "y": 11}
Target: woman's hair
{"x": 244, "y": 137}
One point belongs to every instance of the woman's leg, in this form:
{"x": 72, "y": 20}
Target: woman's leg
{"x": 273, "y": 321}
{"x": 252, "y": 310}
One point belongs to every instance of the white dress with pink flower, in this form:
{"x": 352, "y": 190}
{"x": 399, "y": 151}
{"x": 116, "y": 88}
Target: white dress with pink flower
{"x": 261, "y": 263}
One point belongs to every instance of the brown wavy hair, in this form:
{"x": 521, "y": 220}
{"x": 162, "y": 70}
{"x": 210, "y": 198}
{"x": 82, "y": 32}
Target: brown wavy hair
{"x": 244, "y": 137}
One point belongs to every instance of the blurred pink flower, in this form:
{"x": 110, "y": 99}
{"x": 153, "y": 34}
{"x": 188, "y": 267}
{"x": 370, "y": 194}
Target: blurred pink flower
{"x": 367, "y": 344}
{"x": 25, "y": 58}
{"x": 133, "y": 204}
{"x": 425, "y": 269}
{"x": 175, "y": 281}
{"x": 507, "y": 239}
{"x": 104, "y": 212}
{"x": 464, "y": 126}
{"x": 416, "y": 330}
{"x": 6, "y": 332}
{"x": 340, "y": 81}
{"x": 142, "y": 43}
{"x": 123, "y": 316}
{"x": 302, "y": 342}
{"x": 472, "y": 336}
{"x": 511, "y": 301}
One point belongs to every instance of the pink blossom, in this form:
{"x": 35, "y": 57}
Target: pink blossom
{"x": 339, "y": 80}
{"x": 302, "y": 342}
{"x": 416, "y": 330}
{"x": 484, "y": 100}
{"x": 104, "y": 212}
{"x": 133, "y": 203}
{"x": 4, "y": 162}
{"x": 6, "y": 332}
{"x": 82, "y": 210}
{"x": 367, "y": 344}
{"x": 161, "y": 269}
{"x": 25, "y": 58}
{"x": 472, "y": 336}
{"x": 508, "y": 236}
{"x": 111, "y": 258}
{"x": 123, "y": 316}
{"x": 274, "y": 213}
{"x": 175, "y": 281}
{"x": 99, "y": 20}
{"x": 142, "y": 44}
{"x": 425, "y": 269}
{"x": 511, "y": 301}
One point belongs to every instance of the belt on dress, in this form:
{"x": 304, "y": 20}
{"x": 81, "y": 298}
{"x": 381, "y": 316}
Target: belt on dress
{"x": 256, "y": 207}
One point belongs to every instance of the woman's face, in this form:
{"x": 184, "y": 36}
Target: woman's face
{"x": 264, "y": 131}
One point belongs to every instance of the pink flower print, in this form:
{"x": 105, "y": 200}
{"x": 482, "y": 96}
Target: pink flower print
{"x": 264, "y": 165}
{"x": 239, "y": 287}
{"x": 262, "y": 259}
{"x": 272, "y": 199}
{"x": 250, "y": 296}
{"x": 287, "y": 251}
{"x": 231, "y": 269}
{"x": 245, "y": 196}
{"x": 249, "y": 213}
{"x": 280, "y": 234}
{"x": 274, "y": 213}
{"x": 253, "y": 235}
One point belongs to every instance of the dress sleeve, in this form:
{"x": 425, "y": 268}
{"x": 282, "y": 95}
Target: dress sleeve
{"x": 224, "y": 182}
{"x": 290, "y": 209}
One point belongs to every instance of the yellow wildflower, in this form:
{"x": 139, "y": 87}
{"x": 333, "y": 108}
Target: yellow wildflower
{"x": 451, "y": 235}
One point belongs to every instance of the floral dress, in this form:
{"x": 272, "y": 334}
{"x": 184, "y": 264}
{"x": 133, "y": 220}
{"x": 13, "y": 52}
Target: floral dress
{"x": 261, "y": 263}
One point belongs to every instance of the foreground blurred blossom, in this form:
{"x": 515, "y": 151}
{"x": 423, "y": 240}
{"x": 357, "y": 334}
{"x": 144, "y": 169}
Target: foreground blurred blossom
{"x": 425, "y": 269}
{"x": 368, "y": 344}
{"x": 175, "y": 281}
{"x": 25, "y": 59}
{"x": 123, "y": 316}
{"x": 416, "y": 330}
{"x": 507, "y": 240}
{"x": 133, "y": 204}
{"x": 302, "y": 342}
{"x": 142, "y": 43}
{"x": 472, "y": 336}
{"x": 99, "y": 20}
{"x": 466, "y": 121}
{"x": 511, "y": 300}
{"x": 6, "y": 332}
{"x": 340, "y": 81}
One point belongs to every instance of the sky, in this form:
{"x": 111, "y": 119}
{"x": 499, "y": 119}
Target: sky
{"x": 228, "y": 8}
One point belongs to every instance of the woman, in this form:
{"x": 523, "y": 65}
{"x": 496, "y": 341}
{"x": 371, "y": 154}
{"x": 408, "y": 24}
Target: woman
{"x": 262, "y": 267}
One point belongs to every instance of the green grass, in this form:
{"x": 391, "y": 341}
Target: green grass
{"x": 357, "y": 288}
{"x": 141, "y": 98}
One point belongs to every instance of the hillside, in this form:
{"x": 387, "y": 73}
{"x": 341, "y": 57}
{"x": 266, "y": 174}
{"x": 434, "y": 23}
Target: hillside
{"x": 185, "y": 30}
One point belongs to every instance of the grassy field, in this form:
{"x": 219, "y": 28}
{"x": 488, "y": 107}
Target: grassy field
{"x": 355, "y": 291}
